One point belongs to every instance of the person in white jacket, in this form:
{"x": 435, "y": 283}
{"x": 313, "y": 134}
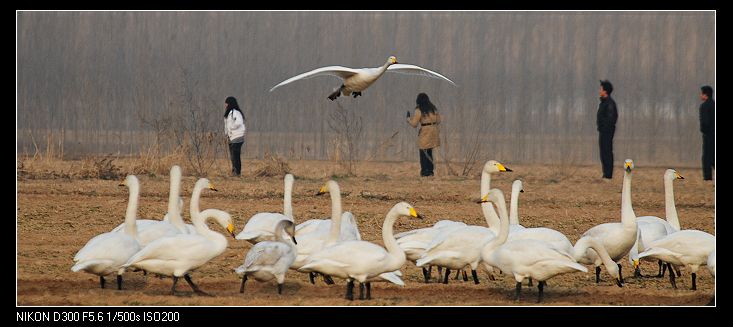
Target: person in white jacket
{"x": 234, "y": 129}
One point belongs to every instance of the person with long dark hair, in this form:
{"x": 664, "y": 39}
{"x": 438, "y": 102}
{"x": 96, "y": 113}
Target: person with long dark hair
{"x": 429, "y": 135}
{"x": 234, "y": 129}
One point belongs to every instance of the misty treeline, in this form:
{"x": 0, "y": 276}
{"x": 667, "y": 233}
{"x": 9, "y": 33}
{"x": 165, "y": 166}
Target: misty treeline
{"x": 123, "y": 82}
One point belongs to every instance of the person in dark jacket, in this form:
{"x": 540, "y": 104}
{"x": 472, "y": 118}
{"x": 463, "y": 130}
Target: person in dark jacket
{"x": 707, "y": 127}
{"x": 606, "y": 122}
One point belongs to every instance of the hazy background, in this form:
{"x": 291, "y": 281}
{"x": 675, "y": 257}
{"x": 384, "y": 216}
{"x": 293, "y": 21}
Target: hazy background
{"x": 97, "y": 82}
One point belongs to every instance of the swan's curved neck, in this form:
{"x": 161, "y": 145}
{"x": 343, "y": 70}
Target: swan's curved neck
{"x": 670, "y": 210}
{"x": 175, "y": 191}
{"x": 395, "y": 251}
{"x": 131, "y": 213}
{"x": 335, "y": 193}
{"x": 196, "y": 218}
{"x": 514, "y": 207}
{"x": 503, "y": 228}
{"x": 492, "y": 220}
{"x": 627, "y": 212}
{"x": 288, "y": 201}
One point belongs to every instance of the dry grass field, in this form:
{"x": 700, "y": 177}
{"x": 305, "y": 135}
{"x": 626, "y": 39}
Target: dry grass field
{"x": 59, "y": 210}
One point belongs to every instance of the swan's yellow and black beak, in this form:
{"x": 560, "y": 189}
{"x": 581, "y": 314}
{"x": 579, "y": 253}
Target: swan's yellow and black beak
{"x": 484, "y": 199}
{"x": 323, "y": 190}
{"x": 211, "y": 187}
{"x": 294, "y": 241}
{"x": 413, "y": 213}
{"x": 628, "y": 165}
{"x": 502, "y": 167}
{"x": 678, "y": 176}
{"x": 230, "y": 229}
{"x": 618, "y": 282}
{"x": 521, "y": 191}
{"x": 636, "y": 264}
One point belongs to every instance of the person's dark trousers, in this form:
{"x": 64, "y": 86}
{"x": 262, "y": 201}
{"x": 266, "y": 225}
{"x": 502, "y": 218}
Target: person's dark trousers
{"x": 235, "y": 149}
{"x": 708, "y": 156}
{"x": 605, "y": 142}
{"x": 426, "y": 162}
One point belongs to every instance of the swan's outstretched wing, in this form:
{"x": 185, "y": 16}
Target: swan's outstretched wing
{"x": 338, "y": 71}
{"x": 416, "y": 70}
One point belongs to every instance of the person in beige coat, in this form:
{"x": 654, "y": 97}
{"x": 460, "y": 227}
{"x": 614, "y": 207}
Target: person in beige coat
{"x": 427, "y": 116}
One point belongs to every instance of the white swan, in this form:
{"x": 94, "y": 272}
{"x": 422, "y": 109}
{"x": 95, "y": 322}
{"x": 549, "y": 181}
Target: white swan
{"x": 107, "y": 253}
{"x": 349, "y": 228}
{"x": 357, "y": 80}
{"x": 532, "y": 258}
{"x": 653, "y": 228}
{"x": 261, "y": 226}
{"x": 177, "y": 255}
{"x": 617, "y": 238}
{"x": 309, "y": 243}
{"x": 360, "y": 260}
{"x": 689, "y": 248}
{"x": 711, "y": 263}
{"x": 270, "y": 259}
{"x": 461, "y": 247}
{"x": 149, "y": 229}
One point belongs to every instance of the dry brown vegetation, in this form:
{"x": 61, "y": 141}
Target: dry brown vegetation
{"x": 59, "y": 210}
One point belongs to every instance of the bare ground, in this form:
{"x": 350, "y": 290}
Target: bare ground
{"x": 58, "y": 213}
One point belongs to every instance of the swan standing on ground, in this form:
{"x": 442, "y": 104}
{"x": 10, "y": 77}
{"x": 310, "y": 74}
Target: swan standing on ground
{"x": 689, "y": 248}
{"x": 533, "y": 258}
{"x": 107, "y": 253}
{"x": 270, "y": 259}
{"x": 178, "y": 255}
{"x": 617, "y": 238}
{"x": 461, "y": 247}
{"x": 149, "y": 230}
{"x": 357, "y": 80}
{"x": 360, "y": 260}
{"x": 261, "y": 227}
{"x": 653, "y": 228}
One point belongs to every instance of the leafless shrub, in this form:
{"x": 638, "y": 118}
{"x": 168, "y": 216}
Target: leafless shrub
{"x": 274, "y": 166}
{"x": 347, "y": 126}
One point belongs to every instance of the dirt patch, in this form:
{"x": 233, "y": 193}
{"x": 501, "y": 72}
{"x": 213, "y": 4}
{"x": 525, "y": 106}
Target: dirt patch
{"x": 58, "y": 213}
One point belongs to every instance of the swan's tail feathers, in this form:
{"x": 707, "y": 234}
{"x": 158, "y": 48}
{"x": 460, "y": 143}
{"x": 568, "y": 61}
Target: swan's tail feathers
{"x": 87, "y": 263}
{"x": 317, "y": 264}
{"x": 393, "y": 278}
{"x": 248, "y": 236}
{"x": 397, "y": 272}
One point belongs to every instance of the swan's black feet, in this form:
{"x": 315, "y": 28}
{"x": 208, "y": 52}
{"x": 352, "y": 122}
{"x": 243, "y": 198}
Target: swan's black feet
{"x": 368, "y": 291}
{"x": 637, "y": 273}
{"x": 101, "y": 281}
{"x": 336, "y": 93}
{"x": 529, "y": 282}
{"x": 194, "y": 287}
{"x": 361, "y": 291}
{"x": 328, "y": 280}
{"x": 598, "y": 275}
{"x": 279, "y": 288}
{"x": 518, "y": 290}
{"x": 694, "y": 284}
{"x": 350, "y": 291}
{"x": 119, "y": 282}
{"x": 244, "y": 280}
{"x": 465, "y": 276}
{"x": 475, "y": 276}
{"x": 425, "y": 275}
{"x": 356, "y": 94}
{"x": 671, "y": 276}
{"x": 312, "y": 277}
{"x": 541, "y": 287}
{"x": 447, "y": 275}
